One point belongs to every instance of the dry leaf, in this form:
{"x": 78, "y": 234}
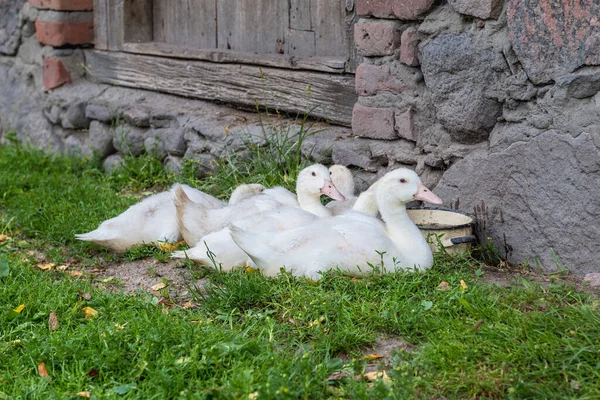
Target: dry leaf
{"x": 84, "y": 296}
{"x": 93, "y": 373}
{"x": 188, "y": 304}
{"x": 477, "y": 325}
{"x": 463, "y": 284}
{"x": 251, "y": 270}
{"x": 16, "y": 341}
{"x": 53, "y": 321}
{"x": 372, "y": 376}
{"x": 42, "y": 370}
{"x": 317, "y": 321}
{"x": 444, "y": 286}
{"x": 168, "y": 247}
{"x": 20, "y": 308}
{"x": 89, "y": 312}
{"x": 45, "y": 267}
{"x": 336, "y": 376}
{"x": 159, "y": 286}
{"x": 253, "y": 396}
{"x": 74, "y": 274}
{"x": 371, "y": 357}
{"x": 120, "y": 327}
{"x": 292, "y": 321}
{"x": 84, "y": 394}
{"x": 62, "y": 268}
{"x": 3, "y": 238}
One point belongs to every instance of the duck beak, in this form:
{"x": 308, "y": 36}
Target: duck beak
{"x": 330, "y": 190}
{"x": 426, "y": 195}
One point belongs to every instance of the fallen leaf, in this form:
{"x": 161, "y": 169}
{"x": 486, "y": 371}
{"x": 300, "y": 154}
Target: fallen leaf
{"x": 89, "y": 312}
{"x": 336, "y": 376}
{"x": 463, "y": 284}
{"x": 16, "y": 341}
{"x": 83, "y": 394}
{"x": 253, "y": 396}
{"x": 477, "y": 325}
{"x": 3, "y": 238}
{"x": 444, "y": 286}
{"x": 169, "y": 247}
{"x": 93, "y": 373}
{"x": 292, "y": 321}
{"x": 120, "y": 327}
{"x": 371, "y": 357}
{"x": 62, "y": 268}
{"x": 427, "y": 305}
{"x": 575, "y": 385}
{"x": 251, "y": 270}
{"x": 53, "y": 321}
{"x": 183, "y": 360}
{"x": 317, "y": 322}
{"x": 74, "y": 274}
{"x": 372, "y": 376}
{"x": 84, "y": 296}
{"x": 45, "y": 267}
{"x": 42, "y": 371}
{"x": 19, "y": 308}
{"x": 188, "y": 304}
{"x": 124, "y": 389}
{"x": 159, "y": 286}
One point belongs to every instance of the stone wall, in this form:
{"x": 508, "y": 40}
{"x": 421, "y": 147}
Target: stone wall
{"x": 494, "y": 103}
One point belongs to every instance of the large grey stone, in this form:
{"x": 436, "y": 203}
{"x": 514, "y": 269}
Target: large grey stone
{"x": 129, "y": 139}
{"x": 75, "y": 117}
{"x": 355, "y": 152}
{"x": 10, "y": 26}
{"x": 457, "y": 72}
{"x": 165, "y": 141}
{"x": 100, "y": 139}
{"x": 113, "y": 162}
{"x": 581, "y": 84}
{"x": 534, "y": 198}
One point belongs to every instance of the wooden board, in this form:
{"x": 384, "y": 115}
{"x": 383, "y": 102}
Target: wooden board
{"x": 328, "y": 18}
{"x": 186, "y": 22}
{"x": 258, "y": 26}
{"x": 300, "y": 15}
{"x": 331, "y": 96}
{"x": 109, "y": 30}
{"x": 138, "y": 21}
{"x": 301, "y": 43}
{"x": 325, "y": 64}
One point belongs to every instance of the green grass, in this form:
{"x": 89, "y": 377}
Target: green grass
{"x": 271, "y": 337}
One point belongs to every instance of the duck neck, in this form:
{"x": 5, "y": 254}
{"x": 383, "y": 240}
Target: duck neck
{"x": 410, "y": 243}
{"x": 312, "y": 203}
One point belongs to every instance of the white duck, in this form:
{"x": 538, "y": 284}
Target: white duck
{"x": 150, "y": 220}
{"x": 343, "y": 180}
{"x": 195, "y": 221}
{"x": 312, "y": 182}
{"x": 351, "y": 240}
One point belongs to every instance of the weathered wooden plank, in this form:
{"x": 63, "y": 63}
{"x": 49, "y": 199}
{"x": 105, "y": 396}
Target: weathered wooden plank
{"x": 328, "y": 23}
{"x": 252, "y": 26}
{"x": 100, "y": 24}
{"x": 115, "y": 24}
{"x": 301, "y": 43}
{"x": 300, "y": 15}
{"x": 186, "y": 22}
{"x": 330, "y": 96}
{"x": 324, "y": 64}
{"x": 138, "y": 21}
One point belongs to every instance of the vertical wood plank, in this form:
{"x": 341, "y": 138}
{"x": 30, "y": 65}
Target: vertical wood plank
{"x": 252, "y": 25}
{"x": 300, "y": 15}
{"x": 115, "y": 24}
{"x": 301, "y": 43}
{"x": 100, "y": 24}
{"x": 138, "y": 21}
{"x": 186, "y": 22}
{"x": 328, "y": 23}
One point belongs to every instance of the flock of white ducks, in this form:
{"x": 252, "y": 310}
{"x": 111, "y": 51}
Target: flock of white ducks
{"x": 273, "y": 228}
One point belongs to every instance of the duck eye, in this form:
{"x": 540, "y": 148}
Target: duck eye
{"x": 314, "y": 173}
{"x": 402, "y": 180}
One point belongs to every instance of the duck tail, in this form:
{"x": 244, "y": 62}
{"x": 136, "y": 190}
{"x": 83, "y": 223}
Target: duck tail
{"x": 250, "y": 243}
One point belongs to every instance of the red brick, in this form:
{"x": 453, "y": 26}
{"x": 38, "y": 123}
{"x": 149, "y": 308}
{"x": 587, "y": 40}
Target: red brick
{"x": 63, "y": 5}
{"x": 62, "y": 33}
{"x": 371, "y": 122}
{"x": 55, "y": 74}
{"x": 409, "y": 47}
{"x": 376, "y": 38}
{"x": 404, "y": 125}
{"x": 397, "y": 9}
{"x": 371, "y": 79}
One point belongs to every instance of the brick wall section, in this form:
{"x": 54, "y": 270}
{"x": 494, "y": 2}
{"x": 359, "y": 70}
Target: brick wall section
{"x": 63, "y": 5}
{"x": 62, "y": 23}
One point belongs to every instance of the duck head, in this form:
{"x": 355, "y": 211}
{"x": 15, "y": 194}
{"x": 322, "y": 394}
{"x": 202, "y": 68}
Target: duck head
{"x": 315, "y": 181}
{"x": 403, "y": 186}
{"x": 342, "y": 179}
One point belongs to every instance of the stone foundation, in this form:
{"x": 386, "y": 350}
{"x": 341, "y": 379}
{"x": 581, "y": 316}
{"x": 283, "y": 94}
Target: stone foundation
{"x": 490, "y": 102}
